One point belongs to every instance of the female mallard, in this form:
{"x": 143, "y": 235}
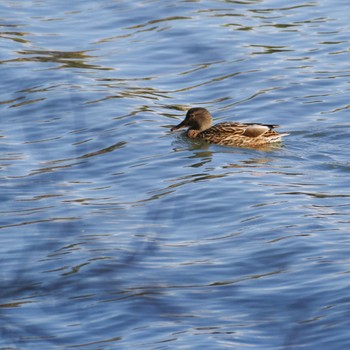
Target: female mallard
{"x": 199, "y": 123}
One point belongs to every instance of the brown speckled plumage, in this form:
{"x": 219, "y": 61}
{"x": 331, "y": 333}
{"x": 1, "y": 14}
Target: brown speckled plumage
{"x": 199, "y": 123}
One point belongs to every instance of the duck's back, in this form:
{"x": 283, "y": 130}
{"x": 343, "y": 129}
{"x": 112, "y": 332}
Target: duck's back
{"x": 241, "y": 134}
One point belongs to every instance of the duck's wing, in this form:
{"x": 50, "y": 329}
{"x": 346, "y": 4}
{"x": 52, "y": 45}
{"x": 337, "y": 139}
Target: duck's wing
{"x": 252, "y": 130}
{"x": 223, "y": 128}
{"x": 255, "y": 130}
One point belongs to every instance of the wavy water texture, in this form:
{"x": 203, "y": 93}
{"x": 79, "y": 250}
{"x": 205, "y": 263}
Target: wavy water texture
{"x": 117, "y": 233}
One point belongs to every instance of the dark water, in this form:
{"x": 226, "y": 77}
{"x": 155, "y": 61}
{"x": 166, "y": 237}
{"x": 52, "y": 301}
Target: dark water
{"x": 116, "y": 233}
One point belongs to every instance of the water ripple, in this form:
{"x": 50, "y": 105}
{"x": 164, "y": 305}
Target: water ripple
{"x": 116, "y": 232}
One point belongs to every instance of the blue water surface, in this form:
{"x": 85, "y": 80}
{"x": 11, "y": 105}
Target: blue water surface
{"x": 116, "y": 233}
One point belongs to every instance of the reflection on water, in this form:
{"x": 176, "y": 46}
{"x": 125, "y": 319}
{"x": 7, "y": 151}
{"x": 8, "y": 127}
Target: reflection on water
{"x": 64, "y": 59}
{"x": 116, "y": 232}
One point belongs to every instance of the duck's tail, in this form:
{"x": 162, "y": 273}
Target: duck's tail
{"x": 277, "y": 137}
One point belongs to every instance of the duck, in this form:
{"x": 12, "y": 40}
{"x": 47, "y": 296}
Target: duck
{"x": 199, "y": 121}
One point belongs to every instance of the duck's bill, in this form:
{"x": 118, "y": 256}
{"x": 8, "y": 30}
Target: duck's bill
{"x": 179, "y": 126}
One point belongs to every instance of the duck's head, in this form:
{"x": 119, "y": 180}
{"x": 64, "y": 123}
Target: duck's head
{"x": 197, "y": 118}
